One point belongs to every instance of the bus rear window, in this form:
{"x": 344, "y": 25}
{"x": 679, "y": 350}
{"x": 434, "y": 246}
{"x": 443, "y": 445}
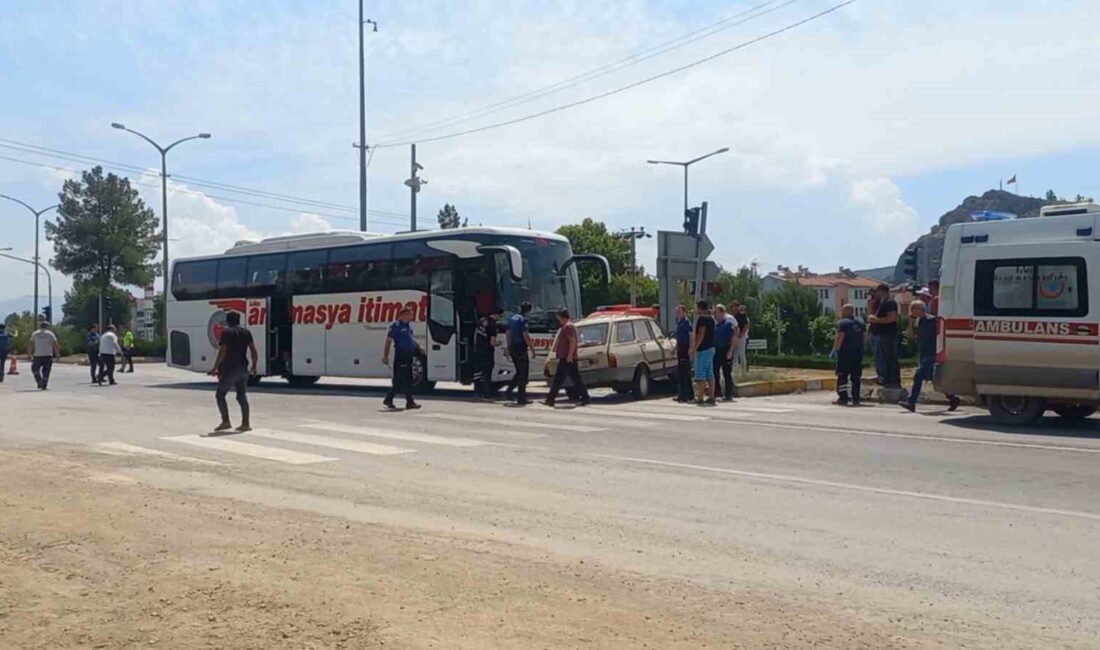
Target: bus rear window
{"x": 1031, "y": 287}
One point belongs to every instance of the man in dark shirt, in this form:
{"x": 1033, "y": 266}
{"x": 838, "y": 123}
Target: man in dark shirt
{"x": 91, "y": 345}
{"x": 485, "y": 347}
{"x": 232, "y": 369}
{"x": 725, "y": 338}
{"x": 922, "y": 327}
{"x": 402, "y": 340}
{"x": 683, "y": 355}
{"x": 932, "y": 306}
{"x": 520, "y": 350}
{"x": 848, "y": 352}
{"x": 884, "y": 325}
{"x": 565, "y": 351}
{"x": 703, "y": 350}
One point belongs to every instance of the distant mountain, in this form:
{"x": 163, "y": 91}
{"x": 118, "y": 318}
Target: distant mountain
{"x": 930, "y": 253}
{"x": 882, "y": 274}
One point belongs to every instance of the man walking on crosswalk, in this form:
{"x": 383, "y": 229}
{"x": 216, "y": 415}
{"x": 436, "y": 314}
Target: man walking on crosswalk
{"x": 232, "y": 369}
{"x": 401, "y": 339}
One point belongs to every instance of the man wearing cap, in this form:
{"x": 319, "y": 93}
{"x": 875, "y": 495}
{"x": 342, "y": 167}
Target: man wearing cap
{"x": 884, "y": 324}
{"x": 400, "y": 338}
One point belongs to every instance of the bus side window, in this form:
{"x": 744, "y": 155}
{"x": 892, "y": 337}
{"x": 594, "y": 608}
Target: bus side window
{"x": 265, "y": 275}
{"x": 195, "y": 280}
{"x": 231, "y": 277}
{"x": 306, "y": 272}
{"x": 359, "y": 268}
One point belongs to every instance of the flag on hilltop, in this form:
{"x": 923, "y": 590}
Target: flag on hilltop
{"x": 1011, "y": 181}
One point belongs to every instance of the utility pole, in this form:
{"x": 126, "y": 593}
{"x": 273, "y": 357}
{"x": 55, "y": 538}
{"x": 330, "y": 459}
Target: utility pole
{"x": 363, "y": 121}
{"x": 778, "y": 330}
{"x": 634, "y": 234}
{"x": 413, "y": 183}
{"x": 37, "y": 217}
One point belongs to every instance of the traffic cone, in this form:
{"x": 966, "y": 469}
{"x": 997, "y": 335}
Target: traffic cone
{"x": 14, "y": 368}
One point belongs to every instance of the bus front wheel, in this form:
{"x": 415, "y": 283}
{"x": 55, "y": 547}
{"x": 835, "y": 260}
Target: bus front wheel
{"x": 302, "y": 380}
{"x": 1015, "y": 409}
{"x": 420, "y": 381}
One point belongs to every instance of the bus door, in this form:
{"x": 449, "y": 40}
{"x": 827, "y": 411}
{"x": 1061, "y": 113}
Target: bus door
{"x": 257, "y": 320}
{"x": 443, "y": 328}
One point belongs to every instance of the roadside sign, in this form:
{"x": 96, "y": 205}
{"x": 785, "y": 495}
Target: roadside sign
{"x": 757, "y": 344}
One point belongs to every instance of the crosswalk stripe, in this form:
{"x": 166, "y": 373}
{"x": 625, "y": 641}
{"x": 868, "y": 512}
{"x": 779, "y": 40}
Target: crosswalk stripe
{"x": 676, "y": 417}
{"x": 246, "y": 449}
{"x": 126, "y": 449}
{"x": 523, "y": 422}
{"x": 396, "y": 435}
{"x": 332, "y": 443}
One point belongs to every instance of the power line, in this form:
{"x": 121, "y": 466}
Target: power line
{"x": 620, "y": 89}
{"x": 26, "y": 147}
{"x": 637, "y": 57}
{"x": 212, "y": 196}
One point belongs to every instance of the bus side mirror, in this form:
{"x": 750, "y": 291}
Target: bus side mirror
{"x": 605, "y": 266}
{"x": 515, "y": 260}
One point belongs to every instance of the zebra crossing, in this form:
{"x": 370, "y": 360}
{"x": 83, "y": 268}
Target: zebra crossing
{"x": 311, "y": 441}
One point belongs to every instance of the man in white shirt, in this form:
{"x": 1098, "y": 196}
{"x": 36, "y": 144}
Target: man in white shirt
{"x": 44, "y": 349}
{"x": 108, "y": 349}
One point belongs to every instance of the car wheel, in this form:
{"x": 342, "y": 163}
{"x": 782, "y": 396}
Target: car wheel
{"x": 302, "y": 380}
{"x": 640, "y": 385}
{"x": 1015, "y": 409}
{"x": 622, "y": 389}
{"x": 1074, "y": 411}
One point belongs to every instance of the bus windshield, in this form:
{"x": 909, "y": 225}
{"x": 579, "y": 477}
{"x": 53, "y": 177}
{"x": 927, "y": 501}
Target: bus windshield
{"x": 548, "y": 283}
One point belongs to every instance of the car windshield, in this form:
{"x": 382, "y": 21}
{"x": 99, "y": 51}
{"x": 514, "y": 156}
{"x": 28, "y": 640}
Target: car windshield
{"x": 592, "y": 335}
{"x": 548, "y": 283}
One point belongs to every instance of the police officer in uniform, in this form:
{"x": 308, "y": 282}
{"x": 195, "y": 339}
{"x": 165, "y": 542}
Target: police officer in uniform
{"x": 520, "y": 350}
{"x": 400, "y": 338}
{"x": 485, "y": 347}
{"x": 683, "y": 355}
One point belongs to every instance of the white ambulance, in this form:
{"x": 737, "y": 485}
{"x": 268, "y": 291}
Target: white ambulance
{"x": 1019, "y": 312}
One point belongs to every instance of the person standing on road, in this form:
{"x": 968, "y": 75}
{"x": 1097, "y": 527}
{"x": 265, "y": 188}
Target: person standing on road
{"x": 128, "y": 351}
{"x": 725, "y": 337}
{"x": 884, "y": 324}
{"x": 931, "y": 295}
{"x": 232, "y": 369}
{"x": 401, "y": 339}
{"x": 108, "y": 349}
{"x": 565, "y": 349}
{"x": 485, "y": 347}
{"x": 519, "y": 349}
{"x": 44, "y": 349}
{"x": 5, "y": 348}
{"x": 683, "y": 355}
{"x": 741, "y": 352}
{"x": 91, "y": 345}
{"x": 703, "y": 352}
{"x": 922, "y": 327}
{"x": 848, "y": 353}
{"x": 872, "y": 309}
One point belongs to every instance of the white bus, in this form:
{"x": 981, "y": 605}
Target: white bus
{"x": 320, "y": 304}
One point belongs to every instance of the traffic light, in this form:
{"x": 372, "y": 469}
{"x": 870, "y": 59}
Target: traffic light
{"x": 909, "y": 262}
{"x": 47, "y": 314}
{"x": 691, "y": 221}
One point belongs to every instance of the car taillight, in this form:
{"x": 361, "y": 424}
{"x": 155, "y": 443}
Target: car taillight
{"x": 612, "y": 361}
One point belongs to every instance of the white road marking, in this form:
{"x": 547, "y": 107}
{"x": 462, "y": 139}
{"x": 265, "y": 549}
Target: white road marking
{"x": 761, "y": 409}
{"x": 246, "y": 449}
{"x": 860, "y": 488}
{"x": 332, "y": 443}
{"x": 126, "y": 449}
{"x": 396, "y": 435}
{"x": 918, "y": 436}
{"x": 522, "y": 422}
{"x": 676, "y": 417}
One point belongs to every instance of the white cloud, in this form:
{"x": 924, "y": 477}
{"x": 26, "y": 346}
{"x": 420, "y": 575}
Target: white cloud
{"x": 309, "y": 222}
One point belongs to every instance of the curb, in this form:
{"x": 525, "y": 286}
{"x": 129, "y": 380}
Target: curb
{"x": 785, "y": 387}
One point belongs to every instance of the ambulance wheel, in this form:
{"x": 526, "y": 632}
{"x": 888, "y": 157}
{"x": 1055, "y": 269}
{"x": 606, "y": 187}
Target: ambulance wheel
{"x": 640, "y": 386}
{"x": 1015, "y": 409}
{"x": 254, "y": 380}
{"x": 1074, "y": 411}
{"x": 302, "y": 380}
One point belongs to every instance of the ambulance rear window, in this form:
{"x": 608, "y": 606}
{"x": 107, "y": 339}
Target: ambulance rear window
{"x": 1031, "y": 287}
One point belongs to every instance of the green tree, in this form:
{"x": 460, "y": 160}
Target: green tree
{"x": 158, "y": 315}
{"x": 104, "y": 234}
{"x": 593, "y": 237}
{"x": 822, "y": 334}
{"x": 448, "y": 217}
{"x": 82, "y": 306}
{"x": 798, "y": 307}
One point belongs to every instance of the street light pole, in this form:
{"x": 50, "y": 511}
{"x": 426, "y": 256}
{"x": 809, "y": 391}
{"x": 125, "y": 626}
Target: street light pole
{"x": 37, "y": 215}
{"x": 634, "y": 234}
{"x": 685, "y": 165}
{"x": 163, "y": 187}
{"x": 363, "y": 121}
{"x": 49, "y": 280}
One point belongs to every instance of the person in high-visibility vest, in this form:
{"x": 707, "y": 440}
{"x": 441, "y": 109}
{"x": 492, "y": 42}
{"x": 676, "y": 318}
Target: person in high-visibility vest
{"x": 128, "y": 351}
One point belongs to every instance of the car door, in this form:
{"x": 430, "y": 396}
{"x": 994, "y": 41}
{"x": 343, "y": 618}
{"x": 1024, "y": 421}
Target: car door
{"x": 652, "y": 349}
{"x": 626, "y": 347}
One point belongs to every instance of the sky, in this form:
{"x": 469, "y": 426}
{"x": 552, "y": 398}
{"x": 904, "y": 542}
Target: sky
{"x": 849, "y": 136}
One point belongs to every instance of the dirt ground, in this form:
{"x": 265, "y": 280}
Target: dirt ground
{"x": 94, "y": 559}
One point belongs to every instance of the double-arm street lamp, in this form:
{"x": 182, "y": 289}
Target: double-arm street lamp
{"x": 37, "y": 216}
{"x": 685, "y": 165}
{"x": 163, "y": 183}
{"x": 49, "y": 281}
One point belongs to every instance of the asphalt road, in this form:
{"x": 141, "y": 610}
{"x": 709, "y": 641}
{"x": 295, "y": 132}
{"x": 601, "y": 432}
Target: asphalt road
{"x": 932, "y": 522}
